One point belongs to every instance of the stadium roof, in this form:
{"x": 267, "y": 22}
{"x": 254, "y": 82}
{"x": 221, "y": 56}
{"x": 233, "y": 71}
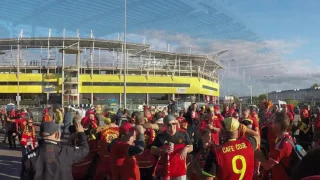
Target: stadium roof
{"x": 197, "y": 18}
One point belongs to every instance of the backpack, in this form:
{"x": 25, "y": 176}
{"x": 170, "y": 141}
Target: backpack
{"x": 296, "y": 155}
{"x": 264, "y": 143}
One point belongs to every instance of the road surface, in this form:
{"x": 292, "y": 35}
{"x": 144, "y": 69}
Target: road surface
{"x": 10, "y": 161}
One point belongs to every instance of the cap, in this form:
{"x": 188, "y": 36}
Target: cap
{"x": 231, "y": 124}
{"x": 125, "y": 128}
{"x": 48, "y": 128}
{"x": 216, "y": 107}
{"x": 167, "y": 119}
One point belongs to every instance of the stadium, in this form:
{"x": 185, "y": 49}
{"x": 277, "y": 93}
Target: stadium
{"x": 64, "y": 70}
{"x": 59, "y": 65}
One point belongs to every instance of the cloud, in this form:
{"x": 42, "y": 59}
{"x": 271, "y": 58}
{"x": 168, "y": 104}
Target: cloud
{"x": 253, "y": 61}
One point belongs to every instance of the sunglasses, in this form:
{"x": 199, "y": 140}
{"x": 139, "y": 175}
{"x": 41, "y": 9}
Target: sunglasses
{"x": 30, "y": 122}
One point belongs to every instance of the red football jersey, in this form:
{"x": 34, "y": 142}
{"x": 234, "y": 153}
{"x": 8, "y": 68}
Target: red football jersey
{"x": 146, "y": 159}
{"x": 103, "y": 167}
{"x": 235, "y": 160}
{"x": 123, "y": 166}
{"x": 183, "y": 123}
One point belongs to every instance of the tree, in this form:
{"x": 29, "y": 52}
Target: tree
{"x": 314, "y": 85}
{"x": 291, "y": 101}
{"x": 262, "y": 97}
{"x": 235, "y": 99}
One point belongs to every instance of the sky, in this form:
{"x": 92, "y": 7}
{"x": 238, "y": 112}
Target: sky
{"x": 295, "y": 24}
{"x": 286, "y": 50}
{"x": 266, "y": 38}
{"x": 288, "y": 20}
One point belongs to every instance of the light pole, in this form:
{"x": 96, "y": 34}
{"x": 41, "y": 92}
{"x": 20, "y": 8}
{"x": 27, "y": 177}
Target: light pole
{"x": 278, "y": 91}
{"x": 125, "y": 54}
{"x": 294, "y": 94}
{"x": 268, "y": 85}
{"x": 228, "y": 74}
{"x": 250, "y": 87}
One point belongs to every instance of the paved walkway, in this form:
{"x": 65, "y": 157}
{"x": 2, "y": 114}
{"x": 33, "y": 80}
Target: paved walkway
{"x": 10, "y": 161}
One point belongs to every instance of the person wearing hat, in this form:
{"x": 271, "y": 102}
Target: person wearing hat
{"x": 123, "y": 151}
{"x": 234, "y": 159}
{"x": 172, "y": 146}
{"x": 52, "y": 160}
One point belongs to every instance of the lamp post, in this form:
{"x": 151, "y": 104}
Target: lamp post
{"x": 294, "y": 94}
{"x": 278, "y": 91}
{"x": 268, "y": 85}
{"x": 125, "y": 54}
{"x": 250, "y": 87}
{"x": 228, "y": 74}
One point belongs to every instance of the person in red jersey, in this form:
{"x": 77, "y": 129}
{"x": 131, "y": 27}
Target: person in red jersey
{"x": 147, "y": 116}
{"x": 28, "y": 140}
{"x": 89, "y": 120}
{"x": 20, "y": 122}
{"x": 146, "y": 160}
{"x": 253, "y": 114}
{"x": 107, "y": 135}
{"x": 291, "y": 109}
{"x": 211, "y": 123}
{"x": 216, "y": 110}
{"x": 123, "y": 151}
{"x": 182, "y": 121}
{"x": 172, "y": 146}
{"x": 286, "y": 110}
{"x": 201, "y": 150}
{"x": 253, "y": 123}
{"x": 230, "y": 112}
{"x": 233, "y": 159}
{"x": 236, "y": 115}
{"x": 278, "y": 160}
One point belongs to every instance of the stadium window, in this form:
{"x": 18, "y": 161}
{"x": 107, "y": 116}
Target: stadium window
{"x": 158, "y": 97}
{"x": 209, "y": 88}
{"x": 134, "y": 84}
{"x": 28, "y": 83}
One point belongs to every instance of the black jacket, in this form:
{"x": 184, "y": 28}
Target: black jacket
{"x": 53, "y": 161}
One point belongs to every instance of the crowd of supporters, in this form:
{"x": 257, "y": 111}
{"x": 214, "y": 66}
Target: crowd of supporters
{"x": 196, "y": 143}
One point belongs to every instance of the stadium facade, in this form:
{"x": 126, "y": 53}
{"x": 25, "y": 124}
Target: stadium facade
{"x": 62, "y": 70}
